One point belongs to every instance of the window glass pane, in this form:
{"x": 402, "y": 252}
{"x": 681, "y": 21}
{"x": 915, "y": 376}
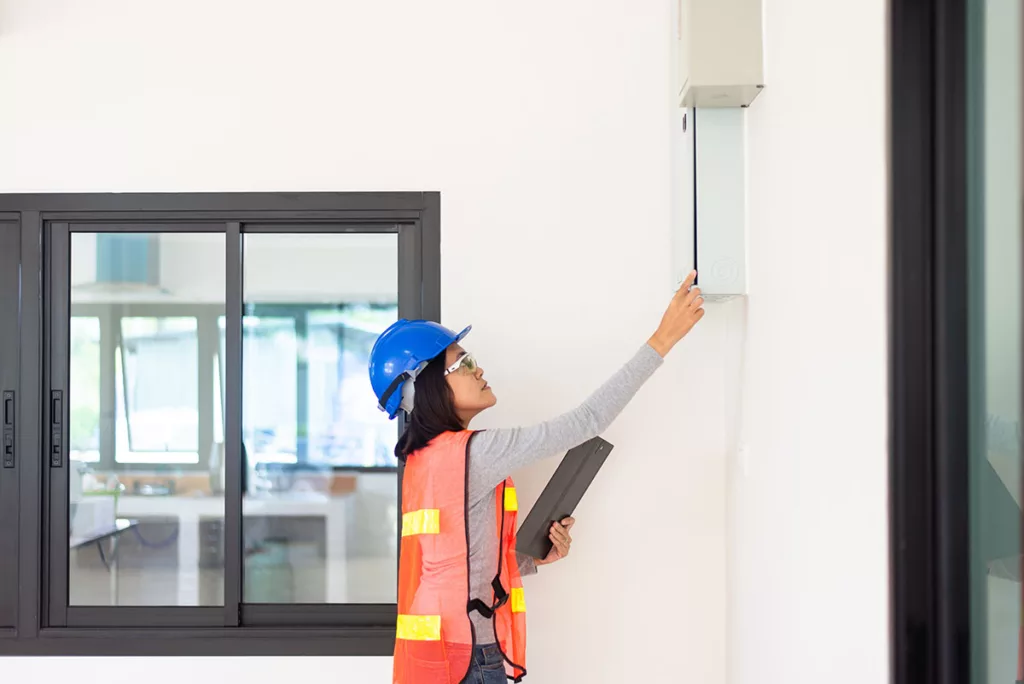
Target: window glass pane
{"x": 146, "y": 503}
{"x": 85, "y": 389}
{"x": 995, "y": 230}
{"x": 318, "y": 527}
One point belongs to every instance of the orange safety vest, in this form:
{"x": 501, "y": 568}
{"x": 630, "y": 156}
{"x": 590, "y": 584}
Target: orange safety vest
{"x": 435, "y": 639}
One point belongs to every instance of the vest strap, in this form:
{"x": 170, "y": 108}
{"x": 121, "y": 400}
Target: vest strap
{"x": 500, "y": 595}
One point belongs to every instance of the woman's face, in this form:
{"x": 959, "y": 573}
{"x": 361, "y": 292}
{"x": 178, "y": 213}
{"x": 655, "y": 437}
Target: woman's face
{"x": 472, "y": 393}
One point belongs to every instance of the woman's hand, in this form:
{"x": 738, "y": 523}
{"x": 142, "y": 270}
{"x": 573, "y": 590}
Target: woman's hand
{"x": 561, "y": 539}
{"x": 685, "y": 309}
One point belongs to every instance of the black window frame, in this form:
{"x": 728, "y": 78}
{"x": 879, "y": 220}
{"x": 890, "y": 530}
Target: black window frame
{"x": 10, "y": 420}
{"x": 45, "y": 625}
{"x": 929, "y": 415}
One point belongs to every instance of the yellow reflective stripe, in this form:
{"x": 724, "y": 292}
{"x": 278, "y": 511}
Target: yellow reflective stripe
{"x": 419, "y": 627}
{"x": 511, "y": 500}
{"x": 517, "y": 600}
{"x": 424, "y": 521}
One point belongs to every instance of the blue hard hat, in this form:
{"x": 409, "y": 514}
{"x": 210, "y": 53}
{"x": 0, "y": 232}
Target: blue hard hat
{"x": 400, "y": 354}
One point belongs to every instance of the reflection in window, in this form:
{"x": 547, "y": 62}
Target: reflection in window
{"x": 313, "y": 306}
{"x": 270, "y": 350}
{"x": 326, "y": 418}
{"x": 85, "y": 389}
{"x": 157, "y": 392}
{"x": 996, "y": 342}
{"x": 269, "y": 427}
{"x": 345, "y": 427}
{"x": 143, "y": 314}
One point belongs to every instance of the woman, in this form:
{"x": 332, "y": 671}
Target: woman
{"x": 460, "y": 599}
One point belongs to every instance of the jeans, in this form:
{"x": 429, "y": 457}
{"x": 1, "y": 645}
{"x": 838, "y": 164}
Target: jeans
{"x": 488, "y": 667}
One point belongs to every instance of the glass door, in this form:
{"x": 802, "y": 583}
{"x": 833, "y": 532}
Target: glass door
{"x": 995, "y": 304}
{"x": 10, "y": 251}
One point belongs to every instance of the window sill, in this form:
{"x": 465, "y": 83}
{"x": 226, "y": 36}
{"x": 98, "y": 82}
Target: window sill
{"x": 240, "y": 641}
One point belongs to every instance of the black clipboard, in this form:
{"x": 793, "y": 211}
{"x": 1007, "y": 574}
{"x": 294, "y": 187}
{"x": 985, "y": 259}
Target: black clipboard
{"x": 560, "y": 497}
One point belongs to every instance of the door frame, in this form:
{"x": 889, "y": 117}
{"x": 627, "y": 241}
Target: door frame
{"x": 928, "y": 354}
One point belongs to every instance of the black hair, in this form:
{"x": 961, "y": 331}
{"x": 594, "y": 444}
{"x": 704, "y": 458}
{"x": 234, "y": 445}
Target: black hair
{"x": 434, "y": 411}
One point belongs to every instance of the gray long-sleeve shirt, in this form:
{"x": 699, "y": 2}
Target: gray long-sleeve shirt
{"x": 495, "y": 454}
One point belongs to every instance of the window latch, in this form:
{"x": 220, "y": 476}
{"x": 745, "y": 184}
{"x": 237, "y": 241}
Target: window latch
{"x": 8, "y": 433}
{"x": 56, "y": 429}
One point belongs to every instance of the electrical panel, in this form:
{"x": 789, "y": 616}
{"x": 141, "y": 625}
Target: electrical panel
{"x": 709, "y": 223}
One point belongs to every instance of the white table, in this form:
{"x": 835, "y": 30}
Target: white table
{"x": 190, "y": 510}
{"x": 97, "y": 537}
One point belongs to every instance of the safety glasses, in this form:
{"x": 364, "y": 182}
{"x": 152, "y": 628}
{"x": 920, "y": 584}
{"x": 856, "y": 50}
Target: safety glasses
{"x": 466, "y": 365}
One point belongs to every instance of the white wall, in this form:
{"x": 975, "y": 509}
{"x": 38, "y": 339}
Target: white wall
{"x": 546, "y": 127}
{"x": 808, "y": 575}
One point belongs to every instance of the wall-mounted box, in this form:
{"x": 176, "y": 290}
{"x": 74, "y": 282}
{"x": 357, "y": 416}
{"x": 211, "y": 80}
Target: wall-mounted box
{"x": 710, "y": 208}
{"x": 720, "y": 49}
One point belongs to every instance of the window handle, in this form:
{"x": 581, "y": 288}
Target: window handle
{"x": 8, "y": 434}
{"x": 56, "y": 429}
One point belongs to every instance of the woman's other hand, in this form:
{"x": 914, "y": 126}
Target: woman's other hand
{"x": 561, "y": 539}
{"x": 685, "y": 309}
